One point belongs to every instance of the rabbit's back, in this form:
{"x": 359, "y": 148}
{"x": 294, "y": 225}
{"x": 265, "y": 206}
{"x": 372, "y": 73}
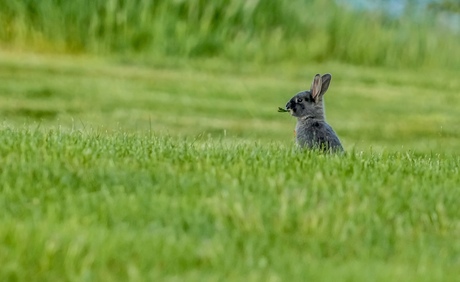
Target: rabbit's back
{"x": 317, "y": 134}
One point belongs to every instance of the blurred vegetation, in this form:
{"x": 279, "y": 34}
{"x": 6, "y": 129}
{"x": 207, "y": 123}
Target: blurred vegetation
{"x": 235, "y": 30}
{"x": 447, "y": 5}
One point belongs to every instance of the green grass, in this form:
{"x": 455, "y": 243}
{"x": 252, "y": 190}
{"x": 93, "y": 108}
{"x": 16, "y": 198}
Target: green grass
{"x": 84, "y": 206}
{"x": 165, "y": 159}
{"x": 115, "y": 170}
{"x": 237, "y": 30}
{"x": 368, "y": 107}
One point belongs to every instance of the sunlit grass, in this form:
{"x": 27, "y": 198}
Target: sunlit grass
{"x": 165, "y": 159}
{"x": 122, "y": 171}
{"x": 368, "y": 107}
{"x": 88, "y": 205}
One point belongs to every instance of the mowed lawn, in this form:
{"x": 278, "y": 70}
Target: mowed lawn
{"x": 383, "y": 109}
{"x": 115, "y": 170}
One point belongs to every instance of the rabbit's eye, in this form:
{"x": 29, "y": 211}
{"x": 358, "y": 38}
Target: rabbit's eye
{"x": 299, "y": 100}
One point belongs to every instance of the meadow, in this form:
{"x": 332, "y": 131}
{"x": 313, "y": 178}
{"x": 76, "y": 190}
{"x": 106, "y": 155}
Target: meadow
{"x": 122, "y": 159}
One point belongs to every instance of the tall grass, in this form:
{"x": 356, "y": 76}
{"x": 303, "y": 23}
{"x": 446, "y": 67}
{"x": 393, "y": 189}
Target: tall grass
{"x": 237, "y": 30}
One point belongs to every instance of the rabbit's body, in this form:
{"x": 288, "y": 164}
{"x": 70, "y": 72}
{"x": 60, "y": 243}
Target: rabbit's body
{"x": 312, "y": 131}
{"x": 317, "y": 134}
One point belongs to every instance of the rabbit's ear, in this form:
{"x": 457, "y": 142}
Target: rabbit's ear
{"x": 316, "y": 86}
{"x": 326, "y": 80}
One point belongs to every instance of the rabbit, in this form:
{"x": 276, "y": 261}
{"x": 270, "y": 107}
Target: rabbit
{"x": 311, "y": 130}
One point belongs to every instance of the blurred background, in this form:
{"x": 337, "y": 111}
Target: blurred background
{"x": 221, "y": 68}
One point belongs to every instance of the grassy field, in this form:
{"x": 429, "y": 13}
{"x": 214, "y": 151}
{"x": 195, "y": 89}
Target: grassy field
{"x": 121, "y": 207}
{"x": 116, "y": 170}
{"x": 140, "y": 141}
{"x": 369, "y": 107}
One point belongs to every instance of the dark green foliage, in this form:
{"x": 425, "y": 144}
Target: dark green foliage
{"x": 447, "y": 6}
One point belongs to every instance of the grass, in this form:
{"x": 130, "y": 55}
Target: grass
{"x": 120, "y": 170}
{"x": 237, "y": 30}
{"x": 383, "y": 108}
{"x": 117, "y": 207}
{"x": 165, "y": 159}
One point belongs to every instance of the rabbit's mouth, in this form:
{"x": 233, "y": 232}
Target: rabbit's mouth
{"x": 291, "y": 107}
{"x": 291, "y": 110}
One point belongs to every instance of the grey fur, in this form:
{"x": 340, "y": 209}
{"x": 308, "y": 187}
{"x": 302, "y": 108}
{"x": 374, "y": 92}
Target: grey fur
{"x": 312, "y": 131}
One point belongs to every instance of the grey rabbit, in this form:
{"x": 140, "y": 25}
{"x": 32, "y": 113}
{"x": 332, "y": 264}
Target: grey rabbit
{"x": 311, "y": 130}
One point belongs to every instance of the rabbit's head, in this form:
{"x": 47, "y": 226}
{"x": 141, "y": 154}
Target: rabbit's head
{"x": 309, "y": 103}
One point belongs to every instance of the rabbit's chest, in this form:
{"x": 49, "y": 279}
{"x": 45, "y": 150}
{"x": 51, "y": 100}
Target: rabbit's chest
{"x": 308, "y": 133}
{"x": 307, "y": 128}
{"x": 303, "y": 131}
